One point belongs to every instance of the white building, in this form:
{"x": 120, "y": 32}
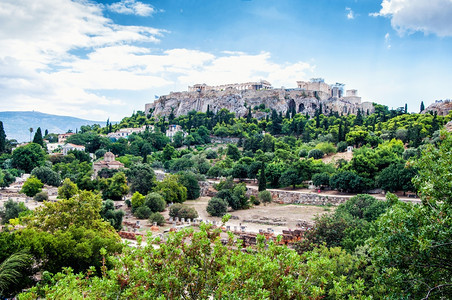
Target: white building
{"x": 68, "y": 147}
{"x": 125, "y": 132}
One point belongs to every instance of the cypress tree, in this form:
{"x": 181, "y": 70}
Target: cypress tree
{"x": 2, "y": 138}
{"x": 38, "y": 137}
{"x": 262, "y": 179}
{"x": 406, "y": 108}
{"x": 422, "y": 106}
{"x": 46, "y": 133}
{"x": 248, "y": 116}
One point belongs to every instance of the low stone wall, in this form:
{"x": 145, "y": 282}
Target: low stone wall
{"x": 282, "y": 196}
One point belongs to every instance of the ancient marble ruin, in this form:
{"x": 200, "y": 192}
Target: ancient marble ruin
{"x": 307, "y": 97}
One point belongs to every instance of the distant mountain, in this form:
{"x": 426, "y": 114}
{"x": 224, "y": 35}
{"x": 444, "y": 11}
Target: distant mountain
{"x": 17, "y": 124}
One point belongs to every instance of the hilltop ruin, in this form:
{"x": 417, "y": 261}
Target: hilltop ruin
{"x": 307, "y": 97}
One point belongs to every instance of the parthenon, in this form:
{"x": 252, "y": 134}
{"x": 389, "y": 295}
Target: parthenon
{"x": 260, "y": 85}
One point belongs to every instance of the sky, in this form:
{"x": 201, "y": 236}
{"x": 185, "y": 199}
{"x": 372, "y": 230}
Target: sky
{"x": 105, "y": 59}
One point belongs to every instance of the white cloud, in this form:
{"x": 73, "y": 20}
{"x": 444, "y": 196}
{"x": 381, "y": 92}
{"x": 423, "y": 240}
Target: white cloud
{"x": 408, "y": 16}
{"x": 132, "y": 7}
{"x": 65, "y": 57}
{"x": 388, "y": 40}
{"x": 350, "y": 13}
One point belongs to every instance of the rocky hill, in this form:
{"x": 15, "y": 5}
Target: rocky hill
{"x": 17, "y": 123}
{"x": 441, "y": 107}
{"x": 238, "y": 102}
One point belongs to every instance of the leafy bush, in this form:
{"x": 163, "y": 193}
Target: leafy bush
{"x": 137, "y": 200}
{"x": 182, "y": 211}
{"x": 41, "y": 196}
{"x": 303, "y": 153}
{"x": 341, "y": 146}
{"x": 32, "y": 186}
{"x": 157, "y": 218}
{"x": 315, "y": 153}
{"x": 47, "y": 175}
{"x": 347, "y": 181}
{"x": 217, "y": 207}
{"x": 254, "y": 200}
{"x": 143, "y": 212}
{"x": 327, "y": 148}
{"x": 211, "y": 154}
{"x": 320, "y": 179}
{"x": 155, "y": 202}
{"x": 265, "y": 196}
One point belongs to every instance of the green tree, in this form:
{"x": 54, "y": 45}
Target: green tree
{"x": 182, "y": 211}
{"x": 190, "y": 181}
{"x": 233, "y": 152}
{"x": 141, "y": 178}
{"x": 10, "y": 270}
{"x": 155, "y": 202}
{"x": 2, "y": 138}
{"x": 157, "y": 218}
{"x": 346, "y": 181}
{"x": 12, "y": 210}
{"x": 422, "y": 107}
{"x": 28, "y": 157}
{"x": 217, "y": 207}
{"x": 290, "y": 177}
{"x": 47, "y": 175}
{"x": 112, "y": 215}
{"x": 116, "y": 187}
{"x": 32, "y": 186}
{"x": 321, "y": 179}
{"x": 262, "y": 179}
{"x": 137, "y": 200}
{"x": 67, "y": 190}
{"x": 171, "y": 190}
{"x": 37, "y": 139}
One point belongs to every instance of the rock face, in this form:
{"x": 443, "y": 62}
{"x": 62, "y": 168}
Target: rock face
{"x": 238, "y": 102}
{"x": 441, "y": 107}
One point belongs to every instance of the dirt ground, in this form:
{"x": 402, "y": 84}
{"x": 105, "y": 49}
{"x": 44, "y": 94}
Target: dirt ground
{"x": 287, "y": 216}
{"x": 335, "y": 157}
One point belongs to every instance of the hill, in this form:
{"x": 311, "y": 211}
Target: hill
{"x": 307, "y": 98}
{"x": 18, "y": 123}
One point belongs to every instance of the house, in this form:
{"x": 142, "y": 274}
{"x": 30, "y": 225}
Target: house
{"x": 125, "y": 132}
{"x": 69, "y": 147}
{"x": 63, "y": 137}
{"x": 109, "y": 162}
{"x": 173, "y": 129}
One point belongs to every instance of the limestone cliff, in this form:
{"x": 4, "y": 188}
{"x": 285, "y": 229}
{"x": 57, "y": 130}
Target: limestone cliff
{"x": 441, "y": 107}
{"x": 234, "y": 100}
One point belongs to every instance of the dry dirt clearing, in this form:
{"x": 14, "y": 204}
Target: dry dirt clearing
{"x": 287, "y": 216}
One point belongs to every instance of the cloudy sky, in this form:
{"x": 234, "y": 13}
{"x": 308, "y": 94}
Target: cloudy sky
{"x": 105, "y": 59}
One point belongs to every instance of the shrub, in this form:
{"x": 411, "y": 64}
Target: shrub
{"x": 217, "y": 207}
{"x": 47, "y": 175}
{"x": 327, "y": 148}
{"x": 128, "y": 202}
{"x": 157, "y": 218}
{"x": 143, "y": 212}
{"x": 341, "y": 146}
{"x": 32, "y": 186}
{"x": 254, "y": 200}
{"x": 315, "y": 153}
{"x": 182, "y": 211}
{"x": 211, "y": 154}
{"x": 303, "y": 153}
{"x": 265, "y": 196}
{"x": 137, "y": 200}
{"x": 320, "y": 179}
{"x": 41, "y": 196}
{"x": 155, "y": 202}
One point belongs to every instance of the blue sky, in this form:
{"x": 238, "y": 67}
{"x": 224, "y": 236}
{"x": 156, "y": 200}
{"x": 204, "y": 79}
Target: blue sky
{"x": 105, "y": 59}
